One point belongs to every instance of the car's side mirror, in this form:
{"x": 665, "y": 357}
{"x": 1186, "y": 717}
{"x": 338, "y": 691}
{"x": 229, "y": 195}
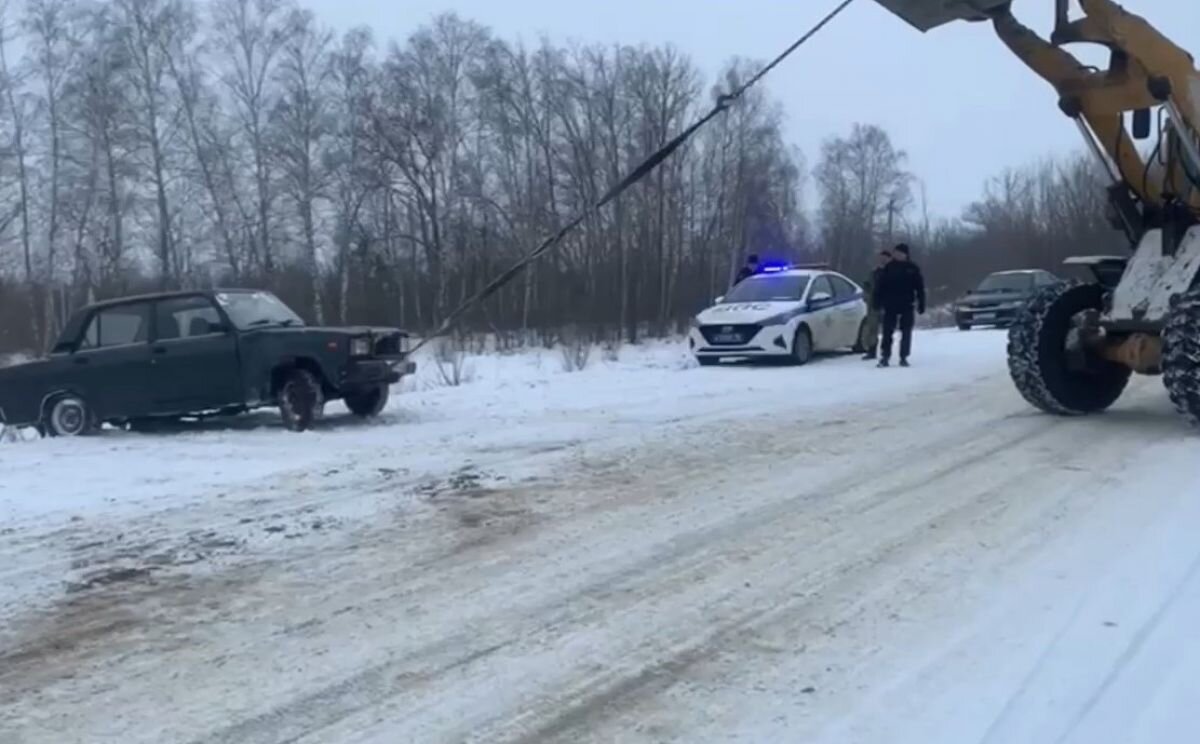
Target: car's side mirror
{"x": 819, "y": 298}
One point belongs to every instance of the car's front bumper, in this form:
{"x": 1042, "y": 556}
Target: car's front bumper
{"x": 362, "y": 373}
{"x": 1002, "y": 315}
{"x": 767, "y": 341}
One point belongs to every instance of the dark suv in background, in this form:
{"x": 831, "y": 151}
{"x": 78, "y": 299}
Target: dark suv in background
{"x": 999, "y": 297}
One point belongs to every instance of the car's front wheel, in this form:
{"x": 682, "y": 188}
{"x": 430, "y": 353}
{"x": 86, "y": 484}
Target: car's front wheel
{"x": 802, "y": 346}
{"x": 301, "y": 400}
{"x": 69, "y": 416}
{"x": 368, "y": 403}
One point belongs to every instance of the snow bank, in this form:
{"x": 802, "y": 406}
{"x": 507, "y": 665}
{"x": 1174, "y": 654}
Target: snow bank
{"x": 8, "y": 360}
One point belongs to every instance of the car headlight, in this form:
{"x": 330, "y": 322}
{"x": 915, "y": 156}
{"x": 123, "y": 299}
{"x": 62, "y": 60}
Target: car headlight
{"x": 779, "y": 319}
{"x": 694, "y": 322}
{"x": 360, "y": 347}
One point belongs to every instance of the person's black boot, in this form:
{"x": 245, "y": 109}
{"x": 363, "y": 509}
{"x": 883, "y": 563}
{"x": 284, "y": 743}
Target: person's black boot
{"x": 904, "y": 362}
{"x": 870, "y": 355}
{"x": 883, "y": 363}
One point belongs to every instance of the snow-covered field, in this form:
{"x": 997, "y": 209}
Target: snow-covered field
{"x": 642, "y": 551}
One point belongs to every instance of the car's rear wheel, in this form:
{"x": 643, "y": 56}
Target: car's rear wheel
{"x": 368, "y": 403}
{"x": 860, "y": 338}
{"x": 69, "y": 416}
{"x": 802, "y": 346}
{"x": 301, "y": 400}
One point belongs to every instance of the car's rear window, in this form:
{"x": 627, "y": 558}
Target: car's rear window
{"x": 1006, "y": 282}
{"x": 780, "y": 288}
{"x": 118, "y": 326}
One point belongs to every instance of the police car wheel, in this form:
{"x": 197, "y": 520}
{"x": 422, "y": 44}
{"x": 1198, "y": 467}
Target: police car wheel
{"x": 802, "y": 346}
{"x": 860, "y": 338}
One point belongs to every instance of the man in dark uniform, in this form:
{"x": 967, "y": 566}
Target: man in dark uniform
{"x": 870, "y": 331}
{"x": 747, "y": 271}
{"x": 900, "y": 287}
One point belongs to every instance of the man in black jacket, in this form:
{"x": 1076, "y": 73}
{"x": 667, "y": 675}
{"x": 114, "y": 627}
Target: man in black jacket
{"x": 748, "y": 270}
{"x": 900, "y": 287}
{"x": 870, "y": 329}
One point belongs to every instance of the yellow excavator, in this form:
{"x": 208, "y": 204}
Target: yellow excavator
{"x": 1074, "y": 348}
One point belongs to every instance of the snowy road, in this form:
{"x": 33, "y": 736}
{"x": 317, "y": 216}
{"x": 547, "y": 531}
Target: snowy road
{"x": 640, "y": 552}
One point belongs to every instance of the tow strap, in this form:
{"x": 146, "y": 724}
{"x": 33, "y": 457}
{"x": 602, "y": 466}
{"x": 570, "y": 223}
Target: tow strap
{"x": 637, "y": 174}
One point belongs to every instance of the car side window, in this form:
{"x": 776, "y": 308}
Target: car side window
{"x": 186, "y": 317}
{"x": 117, "y": 326}
{"x": 822, "y": 284}
{"x": 842, "y": 288}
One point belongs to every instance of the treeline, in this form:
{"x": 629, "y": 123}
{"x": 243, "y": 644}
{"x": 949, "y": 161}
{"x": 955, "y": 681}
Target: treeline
{"x": 148, "y": 144}
{"x": 171, "y": 143}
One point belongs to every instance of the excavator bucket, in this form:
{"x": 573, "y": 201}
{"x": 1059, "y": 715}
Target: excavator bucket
{"x": 929, "y": 14}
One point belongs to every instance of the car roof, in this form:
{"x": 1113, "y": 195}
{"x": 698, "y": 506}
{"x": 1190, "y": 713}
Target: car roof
{"x": 159, "y": 296}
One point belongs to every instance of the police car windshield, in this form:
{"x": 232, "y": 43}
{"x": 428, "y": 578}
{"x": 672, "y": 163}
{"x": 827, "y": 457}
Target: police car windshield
{"x": 1006, "y": 283}
{"x": 777, "y": 288}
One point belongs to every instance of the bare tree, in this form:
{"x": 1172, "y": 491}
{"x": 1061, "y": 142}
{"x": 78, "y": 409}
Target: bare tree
{"x": 864, "y": 187}
{"x": 52, "y": 47}
{"x": 148, "y": 29}
{"x": 251, "y": 34}
{"x": 303, "y": 121}
{"x": 18, "y": 113}
{"x": 352, "y": 180}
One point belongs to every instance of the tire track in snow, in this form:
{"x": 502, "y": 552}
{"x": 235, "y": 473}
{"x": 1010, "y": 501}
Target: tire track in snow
{"x": 664, "y": 563}
{"x": 661, "y": 572}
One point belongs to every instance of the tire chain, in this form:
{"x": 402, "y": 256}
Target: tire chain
{"x": 1181, "y": 355}
{"x": 1023, "y": 351}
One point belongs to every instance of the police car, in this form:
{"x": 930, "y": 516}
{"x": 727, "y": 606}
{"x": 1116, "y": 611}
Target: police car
{"x": 783, "y": 312}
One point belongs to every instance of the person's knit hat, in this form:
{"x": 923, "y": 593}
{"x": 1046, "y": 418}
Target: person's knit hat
{"x": 903, "y": 248}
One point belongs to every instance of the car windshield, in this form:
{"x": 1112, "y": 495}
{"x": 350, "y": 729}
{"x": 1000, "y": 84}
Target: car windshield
{"x": 782, "y": 288}
{"x": 256, "y": 309}
{"x": 1006, "y": 283}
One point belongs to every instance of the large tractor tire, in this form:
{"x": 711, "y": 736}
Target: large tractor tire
{"x": 1050, "y": 368}
{"x": 1181, "y": 355}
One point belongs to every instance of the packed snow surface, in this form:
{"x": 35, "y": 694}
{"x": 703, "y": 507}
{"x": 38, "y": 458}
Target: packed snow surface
{"x": 641, "y": 551}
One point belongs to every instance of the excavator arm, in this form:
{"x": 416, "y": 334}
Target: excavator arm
{"x": 1146, "y": 71}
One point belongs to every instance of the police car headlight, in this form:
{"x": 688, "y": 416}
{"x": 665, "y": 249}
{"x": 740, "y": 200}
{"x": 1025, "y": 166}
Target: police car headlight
{"x": 780, "y": 319}
{"x": 694, "y": 322}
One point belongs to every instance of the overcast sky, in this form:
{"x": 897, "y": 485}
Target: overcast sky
{"x": 954, "y": 99}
